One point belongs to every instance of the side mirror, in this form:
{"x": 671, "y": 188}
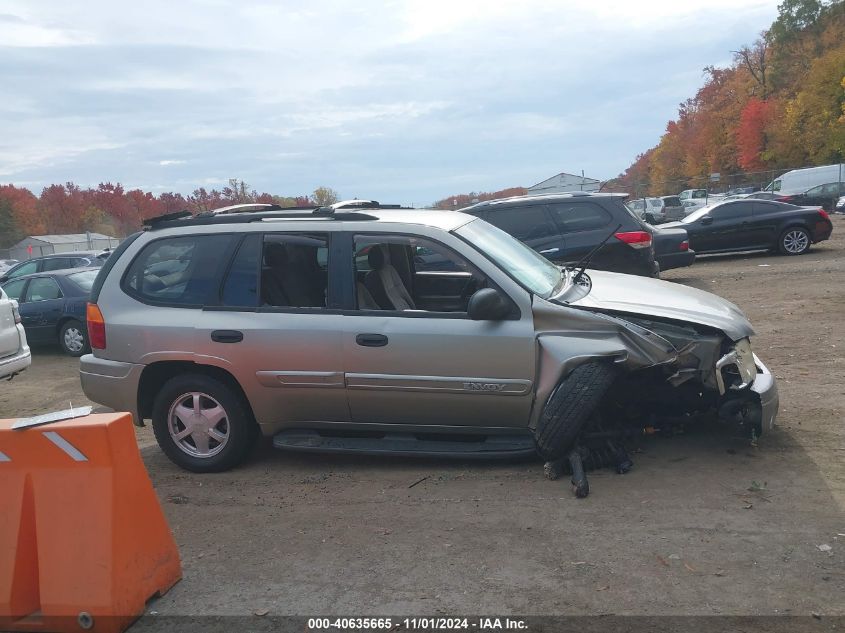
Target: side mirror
{"x": 707, "y": 220}
{"x": 488, "y": 304}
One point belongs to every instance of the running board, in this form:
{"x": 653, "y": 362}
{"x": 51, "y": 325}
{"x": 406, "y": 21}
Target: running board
{"x": 478, "y": 446}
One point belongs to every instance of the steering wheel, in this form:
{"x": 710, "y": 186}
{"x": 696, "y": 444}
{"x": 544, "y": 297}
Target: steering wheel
{"x": 470, "y": 288}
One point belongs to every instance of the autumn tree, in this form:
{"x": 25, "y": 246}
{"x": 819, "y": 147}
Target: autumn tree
{"x": 324, "y": 196}
{"x": 751, "y": 134}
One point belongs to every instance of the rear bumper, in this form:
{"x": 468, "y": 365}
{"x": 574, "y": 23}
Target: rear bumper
{"x": 111, "y": 383}
{"x": 822, "y": 231}
{"x": 12, "y": 365}
{"x": 676, "y": 260}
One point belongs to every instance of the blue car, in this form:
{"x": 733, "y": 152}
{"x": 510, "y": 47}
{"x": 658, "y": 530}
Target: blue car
{"x": 52, "y": 307}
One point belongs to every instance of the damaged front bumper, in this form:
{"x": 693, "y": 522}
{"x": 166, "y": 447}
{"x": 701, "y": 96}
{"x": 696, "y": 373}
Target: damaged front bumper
{"x": 766, "y": 390}
{"x": 755, "y": 405}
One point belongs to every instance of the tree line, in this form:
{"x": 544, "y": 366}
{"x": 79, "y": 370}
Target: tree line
{"x": 112, "y": 210}
{"x": 780, "y": 105}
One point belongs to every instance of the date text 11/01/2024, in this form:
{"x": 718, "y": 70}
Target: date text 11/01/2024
{"x": 419, "y": 624}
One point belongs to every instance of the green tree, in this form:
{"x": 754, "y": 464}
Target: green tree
{"x": 10, "y": 233}
{"x": 325, "y": 196}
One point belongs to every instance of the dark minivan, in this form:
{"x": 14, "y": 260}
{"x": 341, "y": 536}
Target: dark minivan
{"x": 565, "y": 227}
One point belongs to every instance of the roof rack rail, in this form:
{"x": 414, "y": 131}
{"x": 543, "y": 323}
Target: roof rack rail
{"x": 355, "y": 203}
{"x": 245, "y": 208}
{"x": 244, "y": 217}
{"x": 176, "y": 215}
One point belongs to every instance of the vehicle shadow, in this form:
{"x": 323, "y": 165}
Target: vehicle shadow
{"x": 705, "y": 523}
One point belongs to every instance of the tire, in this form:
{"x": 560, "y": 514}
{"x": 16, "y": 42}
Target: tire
{"x": 73, "y": 338}
{"x": 569, "y": 407}
{"x": 202, "y": 452}
{"x": 794, "y": 241}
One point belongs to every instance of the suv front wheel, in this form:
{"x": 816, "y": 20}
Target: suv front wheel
{"x": 570, "y": 406}
{"x": 201, "y": 424}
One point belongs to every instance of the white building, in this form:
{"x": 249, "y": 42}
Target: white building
{"x": 38, "y": 245}
{"x": 565, "y": 182}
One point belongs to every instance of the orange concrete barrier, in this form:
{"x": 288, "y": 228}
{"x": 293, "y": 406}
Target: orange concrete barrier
{"x": 83, "y": 540}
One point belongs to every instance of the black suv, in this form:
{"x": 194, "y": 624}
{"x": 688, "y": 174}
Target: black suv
{"x": 565, "y": 227}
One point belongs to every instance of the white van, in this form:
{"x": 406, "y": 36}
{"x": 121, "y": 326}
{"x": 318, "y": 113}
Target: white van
{"x": 799, "y": 180}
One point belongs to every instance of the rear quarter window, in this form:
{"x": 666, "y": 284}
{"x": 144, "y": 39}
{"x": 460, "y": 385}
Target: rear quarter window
{"x": 179, "y": 271}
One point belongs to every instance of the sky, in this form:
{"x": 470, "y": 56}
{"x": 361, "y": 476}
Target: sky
{"x": 399, "y": 101}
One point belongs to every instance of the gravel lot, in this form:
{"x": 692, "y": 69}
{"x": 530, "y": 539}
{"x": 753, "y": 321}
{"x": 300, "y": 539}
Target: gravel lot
{"x": 681, "y": 534}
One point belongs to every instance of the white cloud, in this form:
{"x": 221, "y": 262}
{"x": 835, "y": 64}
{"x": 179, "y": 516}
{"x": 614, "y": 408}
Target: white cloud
{"x": 435, "y": 93}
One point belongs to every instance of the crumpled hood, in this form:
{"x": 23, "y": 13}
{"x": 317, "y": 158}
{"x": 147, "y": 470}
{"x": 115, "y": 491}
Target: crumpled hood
{"x": 614, "y": 292}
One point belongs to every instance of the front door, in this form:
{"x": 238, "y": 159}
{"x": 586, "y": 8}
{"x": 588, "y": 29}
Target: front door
{"x": 427, "y": 363}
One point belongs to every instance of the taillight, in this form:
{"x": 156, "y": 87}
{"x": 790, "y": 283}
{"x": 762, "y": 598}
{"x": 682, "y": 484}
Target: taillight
{"x": 15, "y": 312}
{"x": 96, "y": 327}
{"x": 824, "y": 214}
{"x": 785, "y": 199}
{"x": 684, "y": 245}
{"x": 635, "y": 239}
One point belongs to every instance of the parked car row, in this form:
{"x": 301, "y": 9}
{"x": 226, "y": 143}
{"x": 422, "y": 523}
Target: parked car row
{"x": 58, "y": 261}
{"x": 46, "y": 297}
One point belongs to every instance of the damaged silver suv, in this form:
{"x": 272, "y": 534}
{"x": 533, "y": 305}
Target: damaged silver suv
{"x": 386, "y": 330}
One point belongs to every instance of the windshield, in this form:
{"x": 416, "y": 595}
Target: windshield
{"x": 533, "y": 271}
{"x": 84, "y": 280}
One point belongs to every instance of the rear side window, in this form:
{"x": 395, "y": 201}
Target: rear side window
{"x": 729, "y": 211}
{"x": 43, "y": 289}
{"x": 178, "y": 270}
{"x": 524, "y": 223}
{"x": 579, "y": 216}
{"x": 57, "y": 263}
{"x": 84, "y": 280}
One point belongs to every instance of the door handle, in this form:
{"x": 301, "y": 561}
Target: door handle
{"x": 227, "y": 336}
{"x": 371, "y": 340}
{"x": 549, "y": 250}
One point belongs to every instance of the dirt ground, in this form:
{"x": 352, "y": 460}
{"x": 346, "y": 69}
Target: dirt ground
{"x": 681, "y": 534}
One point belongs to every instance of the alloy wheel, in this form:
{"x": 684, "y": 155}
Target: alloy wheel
{"x": 198, "y": 424}
{"x": 795, "y": 242}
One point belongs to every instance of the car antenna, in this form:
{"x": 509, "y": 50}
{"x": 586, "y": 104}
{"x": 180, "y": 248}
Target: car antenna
{"x": 585, "y": 261}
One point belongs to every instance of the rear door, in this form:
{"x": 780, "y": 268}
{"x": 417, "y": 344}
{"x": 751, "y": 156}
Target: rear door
{"x": 9, "y": 338}
{"x": 41, "y": 309}
{"x": 276, "y": 327}
{"x": 532, "y": 225}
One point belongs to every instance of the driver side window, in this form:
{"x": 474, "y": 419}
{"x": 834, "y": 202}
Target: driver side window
{"x": 411, "y": 274}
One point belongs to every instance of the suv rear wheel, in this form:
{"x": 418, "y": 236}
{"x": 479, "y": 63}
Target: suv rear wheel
{"x": 570, "y": 406}
{"x": 201, "y": 424}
